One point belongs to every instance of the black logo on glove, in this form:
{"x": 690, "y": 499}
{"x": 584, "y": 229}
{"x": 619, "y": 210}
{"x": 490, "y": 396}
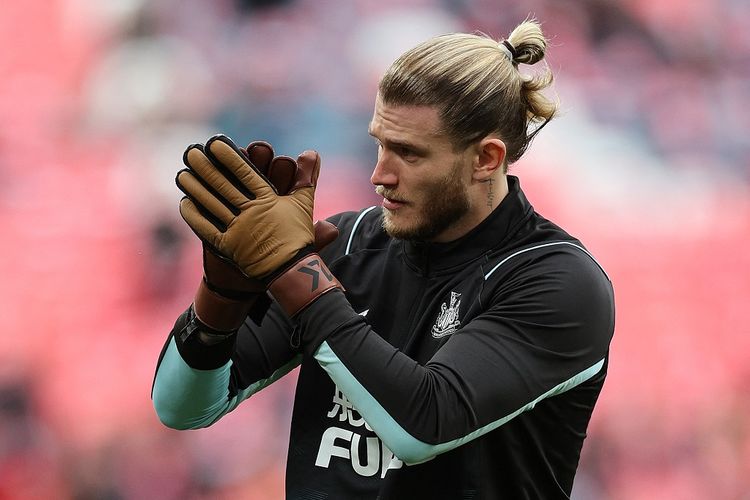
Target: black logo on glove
{"x": 310, "y": 269}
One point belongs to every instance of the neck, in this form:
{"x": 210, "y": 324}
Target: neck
{"x": 493, "y": 190}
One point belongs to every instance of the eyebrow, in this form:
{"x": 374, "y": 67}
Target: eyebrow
{"x": 397, "y": 143}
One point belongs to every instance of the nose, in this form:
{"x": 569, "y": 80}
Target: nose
{"x": 384, "y": 173}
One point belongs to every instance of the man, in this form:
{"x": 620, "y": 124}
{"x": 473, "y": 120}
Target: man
{"x": 452, "y": 342}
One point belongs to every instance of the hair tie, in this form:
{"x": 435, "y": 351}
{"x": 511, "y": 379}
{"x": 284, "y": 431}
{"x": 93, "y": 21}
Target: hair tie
{"x": 509, "y": 50}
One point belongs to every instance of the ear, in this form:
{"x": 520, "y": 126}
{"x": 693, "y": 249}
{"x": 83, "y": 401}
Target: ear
{"x": 491, "y": 157}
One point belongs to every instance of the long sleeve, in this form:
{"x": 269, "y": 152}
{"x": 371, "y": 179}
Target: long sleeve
{"x": 195, "y": 385}
{"x": 538, "y": 335}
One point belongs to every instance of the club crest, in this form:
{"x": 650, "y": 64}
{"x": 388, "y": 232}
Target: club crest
{"x": 447, "y": 321}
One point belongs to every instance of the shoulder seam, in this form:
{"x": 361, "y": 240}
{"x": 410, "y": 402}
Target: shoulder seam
{"x": 544, "y": 245}
{"x": 354, "y": 228}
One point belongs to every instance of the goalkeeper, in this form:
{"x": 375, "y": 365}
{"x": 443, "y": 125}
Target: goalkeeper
{"x": 453, "y": 342}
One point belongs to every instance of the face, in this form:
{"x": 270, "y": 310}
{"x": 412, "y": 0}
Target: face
{"x": 424, "y": 183}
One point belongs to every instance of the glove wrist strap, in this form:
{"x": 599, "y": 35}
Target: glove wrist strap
{"x": 219, "y": 312}
{"x": 302, "y": 283}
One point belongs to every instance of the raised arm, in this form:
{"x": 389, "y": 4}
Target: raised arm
{"x": 225, "y": 347}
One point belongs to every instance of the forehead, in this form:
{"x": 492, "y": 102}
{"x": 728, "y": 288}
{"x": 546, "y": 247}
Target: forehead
{"x": 415, "y": 123}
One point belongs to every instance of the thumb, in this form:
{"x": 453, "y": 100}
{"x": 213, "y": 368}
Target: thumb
{"x": 325, "y": 234}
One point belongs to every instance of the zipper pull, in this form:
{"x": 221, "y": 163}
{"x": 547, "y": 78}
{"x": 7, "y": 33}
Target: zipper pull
{"x": 295, "y": 340}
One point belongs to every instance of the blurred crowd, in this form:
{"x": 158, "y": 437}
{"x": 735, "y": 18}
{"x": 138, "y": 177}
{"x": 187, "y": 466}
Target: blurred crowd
{"x": 649, "y": 163}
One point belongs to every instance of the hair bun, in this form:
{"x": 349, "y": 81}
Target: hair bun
{"x": 529, "y": 42}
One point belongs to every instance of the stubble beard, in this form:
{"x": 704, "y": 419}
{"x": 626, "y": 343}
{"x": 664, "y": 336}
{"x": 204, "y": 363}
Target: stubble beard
{"x": 445, "y": 202}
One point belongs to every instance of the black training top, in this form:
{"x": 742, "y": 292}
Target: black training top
{"x": 461, "y": 370}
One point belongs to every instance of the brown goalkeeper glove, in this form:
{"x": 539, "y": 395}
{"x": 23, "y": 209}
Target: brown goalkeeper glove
{"x": 226, "y": 294}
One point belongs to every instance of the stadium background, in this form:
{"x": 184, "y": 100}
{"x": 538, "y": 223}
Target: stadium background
{"x": 649, "y": 164}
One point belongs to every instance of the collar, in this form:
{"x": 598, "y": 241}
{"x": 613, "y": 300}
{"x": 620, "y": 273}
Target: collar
{"x": 490, "y": 234}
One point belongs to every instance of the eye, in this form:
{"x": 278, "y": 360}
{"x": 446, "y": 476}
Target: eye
{"x": 406, "y": 153}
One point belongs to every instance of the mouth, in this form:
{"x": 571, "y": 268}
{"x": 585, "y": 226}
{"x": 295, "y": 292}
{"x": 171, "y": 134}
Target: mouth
{"x": 392, "y": 204}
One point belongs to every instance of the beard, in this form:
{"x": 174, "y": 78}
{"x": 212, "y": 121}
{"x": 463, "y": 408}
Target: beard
{"x": 444, "y": 202}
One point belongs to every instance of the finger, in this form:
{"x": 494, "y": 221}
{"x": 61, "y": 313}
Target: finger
{"x": 197, "y": 146}
{"x": 197, "y": 160}
{"x": 196, "y": 191}
{"x": 325, "y": 234}
{"x": 200, "y": 225}
{"x": 282, "y": 173}
{"x": 221, "y": 149}
{"x": 260, "y": 154}
{"x": 309, "y": 169}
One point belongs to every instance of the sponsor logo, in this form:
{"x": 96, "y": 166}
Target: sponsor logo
{"x": 366, "y": 454}
{"x": 447, "y": 321}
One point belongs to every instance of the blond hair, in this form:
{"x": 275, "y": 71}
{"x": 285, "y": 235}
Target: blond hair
{"x": 475, "y": 83}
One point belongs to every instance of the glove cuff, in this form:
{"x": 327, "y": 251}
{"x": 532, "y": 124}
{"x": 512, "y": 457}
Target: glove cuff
{"x": 301, "y": 283}
{"x": 223, "y": 277}
{"x": 219, "y": 312}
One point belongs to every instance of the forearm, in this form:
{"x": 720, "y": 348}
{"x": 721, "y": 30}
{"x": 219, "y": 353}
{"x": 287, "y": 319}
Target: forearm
{"x": 196, "y": 384}
{"x": 412, "y": 408}
{"x": 188, "y": 398}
